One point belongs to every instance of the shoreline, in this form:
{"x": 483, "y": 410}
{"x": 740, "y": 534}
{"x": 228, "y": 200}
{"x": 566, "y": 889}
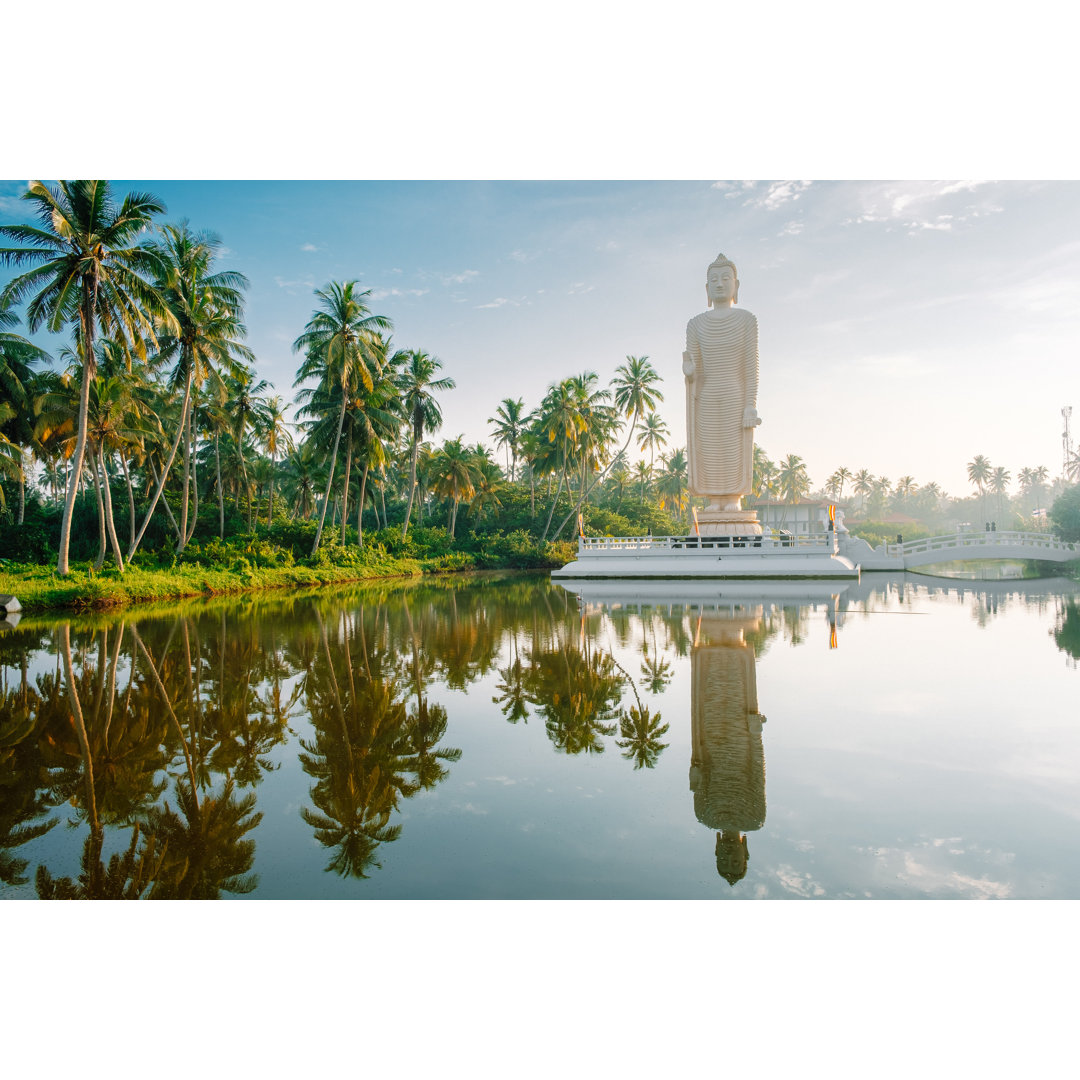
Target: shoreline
{"x": 41, "y": 590}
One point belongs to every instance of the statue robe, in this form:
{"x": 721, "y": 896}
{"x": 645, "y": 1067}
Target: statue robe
{"x": 723, "y": 346}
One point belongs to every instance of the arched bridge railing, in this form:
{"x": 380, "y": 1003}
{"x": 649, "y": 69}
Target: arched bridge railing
{"x": 986, "y": 545}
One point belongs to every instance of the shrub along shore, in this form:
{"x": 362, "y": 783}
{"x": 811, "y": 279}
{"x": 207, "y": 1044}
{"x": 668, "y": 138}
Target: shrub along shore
{"x": 255, "y": 564}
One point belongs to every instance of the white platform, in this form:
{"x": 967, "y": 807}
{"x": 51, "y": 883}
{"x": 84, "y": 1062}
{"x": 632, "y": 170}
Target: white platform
{"x": 707, "y": 557}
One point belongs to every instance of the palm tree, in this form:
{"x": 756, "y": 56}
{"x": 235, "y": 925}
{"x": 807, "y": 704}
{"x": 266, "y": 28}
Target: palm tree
{"x": 979, "y": 471}
{"x": 338, "y": 342}
{"x": 418, "y": 387}
{"x": 671, "y": 486}
{"x": 202, "y": 339}
{"x": 88, "y": 271}
{"x": 654, "y": 433}
{"x": 509, "y": 423}
{"x": 246, "y": 406}
{"x": 635, "y": 391}
{"x": 999, "y": 485}
{"x": 18, "y": 390}
{"x": 454, "y": 470}
{"x": 277, "y": 437}
{"x": 793, "y": 481}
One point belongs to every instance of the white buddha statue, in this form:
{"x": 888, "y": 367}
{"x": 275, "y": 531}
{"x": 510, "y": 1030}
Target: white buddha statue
{"x": 721, "y": 369}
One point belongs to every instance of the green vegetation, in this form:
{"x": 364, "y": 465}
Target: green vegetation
{"x": 148, "y": 442}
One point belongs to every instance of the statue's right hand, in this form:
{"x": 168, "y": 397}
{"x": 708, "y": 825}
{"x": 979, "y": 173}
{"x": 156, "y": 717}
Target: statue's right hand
{"x": 687, "y": 365}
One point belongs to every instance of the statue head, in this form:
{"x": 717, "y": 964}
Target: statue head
{"x": 722, "y": 282}
{"x": 732, "y": 856}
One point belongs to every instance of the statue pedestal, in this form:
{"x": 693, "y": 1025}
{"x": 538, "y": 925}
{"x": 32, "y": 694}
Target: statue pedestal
{"x": 713, "y": 521}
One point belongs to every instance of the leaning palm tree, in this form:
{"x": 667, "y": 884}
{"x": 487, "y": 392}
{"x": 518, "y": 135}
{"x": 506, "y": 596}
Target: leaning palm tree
{"x": 203, "y": 342}
{"x": 337, "y": 343}
{"x": 90, "y": 272}
{"x": 418, "y": 387}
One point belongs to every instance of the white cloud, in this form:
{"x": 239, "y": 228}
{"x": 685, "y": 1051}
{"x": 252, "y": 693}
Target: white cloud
{"x": 382, "y": 294}
{"x": 792, "y": 228}
{"x": 308, "y": 247}
{"x": 293, "y": 285}
{"x": 499, "y": 301}
{"x": 732, "y": 189}
{"x": 462, "y": 278}
{"x": 579, "y": 287}
{"x": 779, "y": 194}
{"x": 524, "y": 256}
{"x": 915, "y": 204}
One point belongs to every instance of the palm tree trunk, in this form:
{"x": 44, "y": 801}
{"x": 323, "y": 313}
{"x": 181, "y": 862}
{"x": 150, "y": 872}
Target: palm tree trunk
{"x": 194, "y": 485}
{"x": 185, "y": 485}
{"x": 131, "y": 497}
{"x": 109, "y": 522}
{"x": 22, "y": 486}
{"x": 165, "y": 503}
{"x": 80, "y": 440}
{"x": 270, "y": 512}
{"x": 345, "y": 489}
{"x": 330, "y": 478}
{"x": 220, "y": 489}
{"x": 412, "y": 482}
{"x": 554, "y": 503}
{"x": 586, "y": 492}
{"x": 100, "y": 560}
{"x": 360, "y": 508}
{"x": 168, "y": 464}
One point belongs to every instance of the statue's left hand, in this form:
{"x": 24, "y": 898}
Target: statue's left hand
{"x": 750, "y": 417}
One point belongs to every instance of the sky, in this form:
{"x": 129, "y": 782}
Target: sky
{"x": 904, "y": 326}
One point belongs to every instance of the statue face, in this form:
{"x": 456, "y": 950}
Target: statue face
{"x": 721, "y": 285}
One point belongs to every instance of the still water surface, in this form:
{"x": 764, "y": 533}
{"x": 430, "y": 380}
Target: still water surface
{"x": 506, "y": 737}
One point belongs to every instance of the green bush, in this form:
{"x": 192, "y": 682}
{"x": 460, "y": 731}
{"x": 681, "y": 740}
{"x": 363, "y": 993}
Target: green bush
{"x": 1065, "y": 515}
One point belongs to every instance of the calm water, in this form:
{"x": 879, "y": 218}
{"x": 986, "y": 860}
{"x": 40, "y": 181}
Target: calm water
{"x": 505, "y": 737}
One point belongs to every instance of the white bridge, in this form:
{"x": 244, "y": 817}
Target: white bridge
{"x": 957, "y": 547}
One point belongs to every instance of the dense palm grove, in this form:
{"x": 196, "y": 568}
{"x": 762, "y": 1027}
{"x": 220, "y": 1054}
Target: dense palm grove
{"x": 149, "y": 432}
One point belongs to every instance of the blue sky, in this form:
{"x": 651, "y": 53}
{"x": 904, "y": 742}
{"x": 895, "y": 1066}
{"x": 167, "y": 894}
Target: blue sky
{"x": 905, "y": 326}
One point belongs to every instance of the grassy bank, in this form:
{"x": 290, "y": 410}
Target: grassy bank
{"x": 222, "y": 569}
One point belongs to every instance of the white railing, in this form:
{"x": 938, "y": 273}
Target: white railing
{"x": 1029, "y": 541}
{"x": 633, "y": 545}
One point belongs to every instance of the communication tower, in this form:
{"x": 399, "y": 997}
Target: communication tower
{"x": 1066, "y": 443}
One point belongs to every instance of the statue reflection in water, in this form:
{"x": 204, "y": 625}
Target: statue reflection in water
{"x": 727, "y": 765}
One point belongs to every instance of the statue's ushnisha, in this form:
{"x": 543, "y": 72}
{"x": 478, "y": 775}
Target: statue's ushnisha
{"x": 721, "y": 369}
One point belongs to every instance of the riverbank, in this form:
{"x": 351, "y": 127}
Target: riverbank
{"x": 40, "y": 588}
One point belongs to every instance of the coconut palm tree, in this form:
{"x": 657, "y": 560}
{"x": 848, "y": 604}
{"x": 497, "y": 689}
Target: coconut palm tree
{"x": 671, "y": 486}
{"x": 276, "y": 437}
{"x": 999, "y": 485}
{"x": 509, "y": 424}
{"x": 338, "y": 346}
{"x": 793, "y": 481}
{"x": 635, "y": 391}
{"x": 454, "y": 474}
{"x": 653, "y": 437}
{"x": 202, "y": 339}
{"x": 418, "y": 387}
{"x": 88, "y": 271}
{"x": 979, "y": 472}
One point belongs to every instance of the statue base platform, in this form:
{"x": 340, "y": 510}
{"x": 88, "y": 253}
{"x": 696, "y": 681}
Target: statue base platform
{"x": 732, "y": 555}
{"x": 728, "y": 523}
